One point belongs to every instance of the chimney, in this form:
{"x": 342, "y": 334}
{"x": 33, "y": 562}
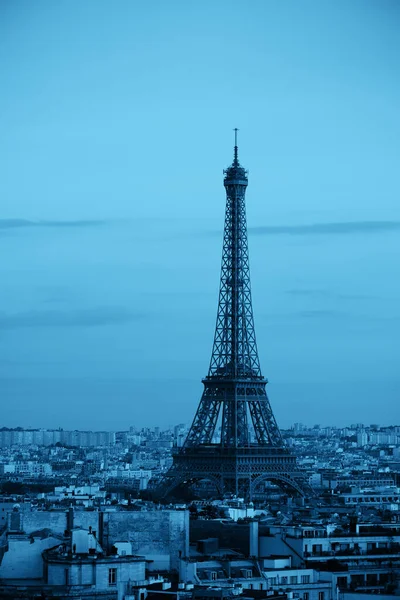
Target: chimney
{"x": 253, "y": 541}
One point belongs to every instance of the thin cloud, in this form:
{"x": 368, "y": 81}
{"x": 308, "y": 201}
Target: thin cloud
{"x": 24, "y": 223}
{"x": 334, "y": 314}
{"x": 319, "y": 314}
{"x": 69, "y": 318}
{"x": 328, "y": 228}
{"x": 309, "y": 292}
{"x": 315, "y": 293}
{"x": 305, "y": 314}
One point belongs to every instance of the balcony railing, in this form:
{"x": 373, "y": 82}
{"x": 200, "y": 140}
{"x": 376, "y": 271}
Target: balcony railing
{"x": 323, "y": 534}
{"x": 393, "y": 550}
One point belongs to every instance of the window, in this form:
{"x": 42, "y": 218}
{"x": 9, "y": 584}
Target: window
{"x": 293, "y": 579}
{"x": 342, "y": 583}
{"x": 112, "y": 576}
{"x": 321, "y": 595}
{"x": 305, "y": 579}
{"x": 214, "y": 575}
{"x": 284, "y": 580}
{"x": 306, "y": 596}
{"x": 308, "y": 533}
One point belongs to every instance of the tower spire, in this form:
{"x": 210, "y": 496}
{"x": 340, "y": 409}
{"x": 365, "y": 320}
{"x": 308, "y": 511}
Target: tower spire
{"x": 235, "y": 152}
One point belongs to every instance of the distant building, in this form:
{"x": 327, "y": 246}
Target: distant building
{"x": 49, "y": 437}
{"x": 386, "y": 498}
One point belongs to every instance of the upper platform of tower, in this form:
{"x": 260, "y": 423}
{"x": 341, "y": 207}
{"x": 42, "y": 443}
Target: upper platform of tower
{"x": 235, "y": 174}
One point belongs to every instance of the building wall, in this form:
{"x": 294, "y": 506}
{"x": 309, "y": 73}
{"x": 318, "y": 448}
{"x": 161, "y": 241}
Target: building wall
{"x": 158, "y": 535}
{"x": 36, "y": 520}
{"x": 275, "y": 545}
{"x": 126, "y": 571}
{"x": 94, "y": 573}
{"x": 230, "y": 535}
{"x": 187, "y": 571}
{"x": 361, "y": 596}
{"x": 86, "y": 519}
{"x": 297, "y": 548}
{"x": 313, "y": 591}
{"x": 290, "y": 577}
{"x": 361, "y": 577}
{"x": 68, "y": 574}
{"x": 328, "y": 544}
{"x": 88, "y": 575}
{"x": 23, "y": 560}
{"x": 6, "y": 506}
{"x": 59, "y": 520}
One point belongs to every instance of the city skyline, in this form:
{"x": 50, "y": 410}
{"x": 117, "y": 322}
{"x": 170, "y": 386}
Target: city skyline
{"x": 292, "y": 426}
{"x": 175, "y": 425}
{"x": 114, "y": 144}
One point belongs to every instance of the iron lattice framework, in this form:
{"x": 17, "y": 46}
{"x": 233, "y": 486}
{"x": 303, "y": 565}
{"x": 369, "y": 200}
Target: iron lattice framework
{"x": 234, "y": 439}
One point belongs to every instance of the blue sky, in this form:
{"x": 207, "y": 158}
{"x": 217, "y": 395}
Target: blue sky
{"x": 116, "y": 122}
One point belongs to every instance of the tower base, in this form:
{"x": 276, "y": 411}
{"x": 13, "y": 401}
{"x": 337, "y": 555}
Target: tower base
{"x": 237, "y": 471}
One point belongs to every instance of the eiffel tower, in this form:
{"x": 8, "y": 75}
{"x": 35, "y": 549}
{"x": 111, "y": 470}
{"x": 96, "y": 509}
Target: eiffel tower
{"x": 234, "y": 440}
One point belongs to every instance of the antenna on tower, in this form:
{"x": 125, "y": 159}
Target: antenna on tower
{"x": 235, "y": 156}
